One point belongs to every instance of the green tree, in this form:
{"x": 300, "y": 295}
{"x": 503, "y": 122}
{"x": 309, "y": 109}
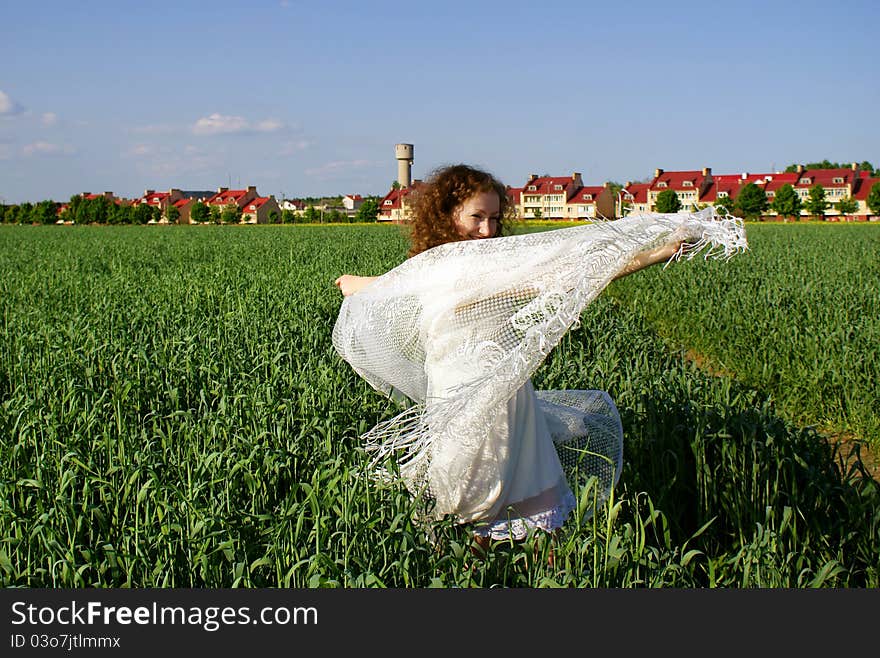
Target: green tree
{"x": 725, "y": 204}
{"x": 874, "y": 199}
{"x": 751, "y": 201}
{"x": 199, "y": 213}
{"x": 214, "y": 214}
{"x": 123, "y": 214}
{"x": 45, "y": 212}
{"x": 786, "y": 202}
{"x": 10, "y": 216}
{"x": 395, "y": 185}
{"x": 847, "y": 206}
{"x": 142, "y": 213}
{"x": 287, "y": 217}
{"x": 231, "y": 214}
{"x": 816, "y": 203}
{"x": 537, "y": 214}
{"x": 172, "y": 214}
{"x": 368, "y": 211}
{"x": 668, "y": 201}
{"x": 25, "y": 213}
{"x": 274, "y": 217}
{"x": 311, "y": 215}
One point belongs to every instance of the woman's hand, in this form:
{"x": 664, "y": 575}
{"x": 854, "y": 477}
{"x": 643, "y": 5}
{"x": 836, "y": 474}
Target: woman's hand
{"x": 651, "y": 257}
{"x": 349, "y": 284}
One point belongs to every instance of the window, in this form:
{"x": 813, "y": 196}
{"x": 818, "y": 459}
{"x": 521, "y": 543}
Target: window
{"x": 661, "y": 184}
{"x": 557, "y": 187}
{"x": 532, "y": 188}
{"x": 806, "y": 181}
{"x": 588, "y": 197}
{"x": 837, "y": 180}
{"x": 722, "y": 195}
{"x": 687, "y": 183}
{"x": 388, "y": 202}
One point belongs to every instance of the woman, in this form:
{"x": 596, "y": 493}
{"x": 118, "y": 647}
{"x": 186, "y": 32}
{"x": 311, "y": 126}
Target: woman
{"x": 460, "y": 327}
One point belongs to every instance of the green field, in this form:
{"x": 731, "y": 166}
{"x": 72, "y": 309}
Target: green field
{"x": 173, "y": 414}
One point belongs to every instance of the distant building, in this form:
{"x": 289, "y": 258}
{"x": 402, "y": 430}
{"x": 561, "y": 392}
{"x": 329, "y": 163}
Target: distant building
{"x": 633, "y": 198}
{"x": 393, "y": 206}
{"x": 260, "y": 209}
{"x": 549, "y": 197}
{"x": 689, "y": 186}
{"x": 865, "y": 185}
{"x": 514, "y": 200}
{"x": 226, "y": 197}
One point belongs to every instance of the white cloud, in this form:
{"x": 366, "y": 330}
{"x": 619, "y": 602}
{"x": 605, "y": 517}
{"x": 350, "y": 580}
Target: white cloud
{"x": 46, "y": 148}
{"x": 49, "y": 118}
{"x": 341, "y": 167}
{"x": 294, "y": 146}
{"x": 8, "y": 107}
{"x": 140, "y": 150}
{"x": 156, "y": 129}
{"x": 219, "y": 124}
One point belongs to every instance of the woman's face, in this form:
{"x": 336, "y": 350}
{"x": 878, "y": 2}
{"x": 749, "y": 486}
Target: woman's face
{"x": 478, "y": 216}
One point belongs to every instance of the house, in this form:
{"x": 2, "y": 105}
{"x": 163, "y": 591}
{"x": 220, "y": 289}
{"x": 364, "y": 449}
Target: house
{"x": 514, "y": 201}
{"x": 226, "y": 197}
{"x": 297, "y": 206}
{"x": 728, "y": 186}
{"x": 184, "y": 208}
{"x": 633, "y": 198}
{"x": 863, "y": 189}
{"x": 838, "y": 184}
{"x": 352, "y": 202}
{"x": 160, "y": 200}
{"x": 689, "y": 186}
{"x": 259, "y": 210}
{"x": 590, "y": 202}
{"x": 393, "y": 206}
{"x": 545, "y": 197}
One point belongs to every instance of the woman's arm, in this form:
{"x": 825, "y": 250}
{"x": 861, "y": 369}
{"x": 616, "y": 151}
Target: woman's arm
{"x": 349, "y": 284}
{"x": 650, "y": 257}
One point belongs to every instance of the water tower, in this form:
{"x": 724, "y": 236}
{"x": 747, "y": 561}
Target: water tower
{"x": 404, "y": 154}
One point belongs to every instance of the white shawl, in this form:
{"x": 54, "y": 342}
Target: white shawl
{"x": 459, "y": 329}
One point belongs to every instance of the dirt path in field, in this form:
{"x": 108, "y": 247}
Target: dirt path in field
{"x": 846, "y": 442}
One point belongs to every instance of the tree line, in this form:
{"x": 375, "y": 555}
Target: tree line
{"x": 103, "y": 210}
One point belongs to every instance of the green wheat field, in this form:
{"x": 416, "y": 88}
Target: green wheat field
{"x": 173, "y": 414}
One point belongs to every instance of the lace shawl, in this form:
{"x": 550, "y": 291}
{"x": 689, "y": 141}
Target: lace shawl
{"x": 490, "y": 311}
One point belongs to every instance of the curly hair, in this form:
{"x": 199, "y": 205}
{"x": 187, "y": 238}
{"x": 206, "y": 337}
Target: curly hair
{"x": 435, "y": 202}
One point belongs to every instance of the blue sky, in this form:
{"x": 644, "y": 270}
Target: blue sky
{"x": 309, "y": 98}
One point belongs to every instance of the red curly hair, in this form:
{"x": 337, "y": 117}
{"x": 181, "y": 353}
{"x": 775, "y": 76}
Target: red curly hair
{"x": 434, "y": 204}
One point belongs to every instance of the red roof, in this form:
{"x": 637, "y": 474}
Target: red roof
{"x": 182, "y": 202}
{"x": 550, "y": 185}
{"x": 392, "y": 200}
{"x": 154, "y": 199}
{"x": 636, "y": 193}
{"x": 825, "y": 177}
{"x": 256, "y": 204}
{"x": 675, "y": 180}
{"x": 864, "y": 188}
{"x": 226, "y": 197}
{"x": 592, "y": 191}
{"x": 514, "y": 194}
